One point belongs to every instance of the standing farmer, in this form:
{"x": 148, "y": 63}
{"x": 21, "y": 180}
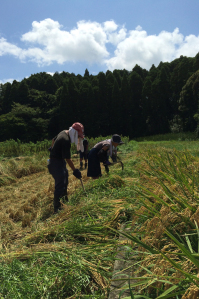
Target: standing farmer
{"x": 59, "y": 152}
{"x": 100, "y": 153}
{"x": 84, "y": 154}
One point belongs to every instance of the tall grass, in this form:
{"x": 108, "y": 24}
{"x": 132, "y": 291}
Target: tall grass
{"x": 13, "y": 148}
{"x": 182, "y": 136}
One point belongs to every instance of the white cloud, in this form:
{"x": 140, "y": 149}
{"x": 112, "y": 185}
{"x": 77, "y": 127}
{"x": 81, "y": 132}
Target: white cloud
{"x": 7, "y": 80}
{"x": 139, "y": 28}
{"x": 87, "y": 42}
{"x": 50, "y": 73}
{"x": 110, "y": 26}
{"x": 8, "y": 48}
{"x": 145, "y": 50}
{"x": 48, "y": 42}
{"x": 116, "y": 37}
{"x": 190, "y": 46}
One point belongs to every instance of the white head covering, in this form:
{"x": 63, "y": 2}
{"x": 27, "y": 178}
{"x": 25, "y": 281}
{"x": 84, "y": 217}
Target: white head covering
{"x": 112, "y": 148}
{"x": 74, "y": 139}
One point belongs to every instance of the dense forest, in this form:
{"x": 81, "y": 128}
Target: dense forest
{"x": 133, "y": 103}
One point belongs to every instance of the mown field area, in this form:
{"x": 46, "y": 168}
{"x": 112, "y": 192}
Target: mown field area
{"x": 72, "y": 254}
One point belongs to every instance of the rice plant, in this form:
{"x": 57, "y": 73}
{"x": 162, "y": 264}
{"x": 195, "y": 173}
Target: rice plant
{"x": 164, "y": 230}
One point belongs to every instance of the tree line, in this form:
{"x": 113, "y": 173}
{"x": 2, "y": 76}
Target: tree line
{"x": 133, "y": 103}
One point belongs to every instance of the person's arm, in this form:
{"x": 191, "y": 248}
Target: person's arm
{"x": 106, "y": 162}
{"x": 70, "y": 163}
{"x": 102, "y": 154}
{"x": 76, "y": 171}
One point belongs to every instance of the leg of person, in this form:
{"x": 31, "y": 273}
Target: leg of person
{"x": 58, "y": 170}
{"x": 81, "y": 164}
{"x": 94, "y": 169}
{"x": 64, "y": 196}
{"x": 106, "y": 168}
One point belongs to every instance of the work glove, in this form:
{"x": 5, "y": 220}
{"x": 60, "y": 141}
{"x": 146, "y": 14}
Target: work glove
{"x": 77, "y": 173}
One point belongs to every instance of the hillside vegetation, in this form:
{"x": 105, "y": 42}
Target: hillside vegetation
{"x": 136, "y": 103}
{"x": 71, "y": 255}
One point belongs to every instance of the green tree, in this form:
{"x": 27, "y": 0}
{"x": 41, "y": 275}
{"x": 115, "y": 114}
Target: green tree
{"x": 23, "y": 123}
{"x": 116, "y": 117}
{"x": 74, "y": 99}
{"x": 58, "y": 79}
{"x": 160, "y": 103}
{"x": 153, "y": 72}
{"x": 116, "y": 74}
{"x": 6, "y": 99}
{"x": 126, "y": 107}
{"x": 33, "y": 82}
{"x": 147, "y": 107}
{"x": 23, "y": 93}
{"x": 14, "y": 96}
{"x": 103, "y": 107}
{"x": 66, "y": 113}
{"x": 50, "y": 85}
{"x": 182, "y": 71}
{"x": 142, "y": 72}
{"x": 84, "y": 101}
{"x": 86, "y": 74}
{"x": 196, "y": 63}
{"x": 135, "y": 105}
{"x": 189, "y": 101}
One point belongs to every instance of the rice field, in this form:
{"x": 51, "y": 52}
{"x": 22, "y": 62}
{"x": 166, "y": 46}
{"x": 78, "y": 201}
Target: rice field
{"x": 164, "y": 230}
{"x": 72, "y": 254}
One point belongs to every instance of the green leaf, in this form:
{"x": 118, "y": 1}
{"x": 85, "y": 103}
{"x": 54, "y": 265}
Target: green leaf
{"x": 183, "y": 249}
{"x": 197, "y": 233}
{"x": 138, "y": 297}
{"x": 189, "y": 243}
{"x": 167, "y": 292}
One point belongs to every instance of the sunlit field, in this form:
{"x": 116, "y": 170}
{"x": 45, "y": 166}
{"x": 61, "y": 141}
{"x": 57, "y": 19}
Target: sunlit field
{"x": 72, "y": 254}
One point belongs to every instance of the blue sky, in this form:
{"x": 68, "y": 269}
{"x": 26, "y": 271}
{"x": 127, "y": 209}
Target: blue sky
{"x": 72, "y": 35}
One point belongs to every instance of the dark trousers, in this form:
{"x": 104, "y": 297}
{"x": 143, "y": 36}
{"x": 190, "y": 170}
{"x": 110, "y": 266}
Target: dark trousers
{"x": 57, "y": 168}
{"x": 94, "y": 169}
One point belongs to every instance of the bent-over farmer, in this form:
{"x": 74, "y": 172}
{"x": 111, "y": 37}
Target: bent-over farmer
{"x": 100, "y": 153}
{"x": 60, "y": 153}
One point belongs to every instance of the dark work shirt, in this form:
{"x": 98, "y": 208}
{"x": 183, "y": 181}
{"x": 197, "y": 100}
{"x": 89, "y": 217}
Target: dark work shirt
{"x": 61, "y": 147}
